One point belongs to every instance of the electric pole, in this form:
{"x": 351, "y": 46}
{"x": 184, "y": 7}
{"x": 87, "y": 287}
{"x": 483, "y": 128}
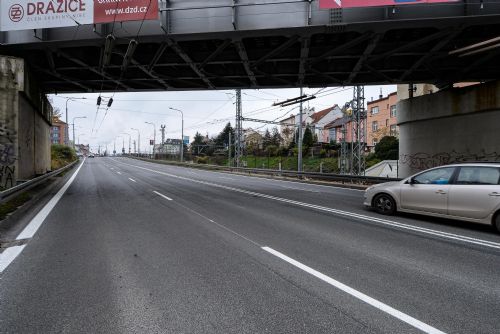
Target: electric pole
{"x": 239, "y": 129}
{"x": 299, "y": 158}
{"x": 162, "y": 129}
{"x": 358, "y": 131}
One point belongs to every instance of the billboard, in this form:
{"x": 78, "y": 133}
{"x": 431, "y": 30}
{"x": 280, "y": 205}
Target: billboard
{"x": 327, "y": 4}
{"x": 38, "y": 14}
{"x": 125, "y": 10}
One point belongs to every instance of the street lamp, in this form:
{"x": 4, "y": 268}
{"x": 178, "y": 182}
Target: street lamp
{"x": 154, "y": 136}
{"x": 114, "y": 145}
{"x": 81, "y": 134}
{"x": 74, "y": 128}
{"x": 138, "y": 140}
{"x": 129, "y": 140}
{"x": 66, "y": 136}
{"x": 182, "y": 132}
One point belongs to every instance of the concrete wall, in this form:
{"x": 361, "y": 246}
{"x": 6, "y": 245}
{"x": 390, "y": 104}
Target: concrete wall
{"x": 450, "y": 126}
{"x": 24, "y": 124}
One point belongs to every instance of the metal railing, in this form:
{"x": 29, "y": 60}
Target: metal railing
{"x": 342, "y": 178}
{"x": 20, "y": 188}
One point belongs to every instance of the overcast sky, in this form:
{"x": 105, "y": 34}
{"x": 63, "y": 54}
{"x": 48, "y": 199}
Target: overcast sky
{"x": 204, "y": 111}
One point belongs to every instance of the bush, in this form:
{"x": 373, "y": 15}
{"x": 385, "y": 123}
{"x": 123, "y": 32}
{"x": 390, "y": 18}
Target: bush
{"x": 61, "y": 155}
{"x": 322, "y": 153}
{"x": 201, "y": 160}
{"x": 387, "y": 148}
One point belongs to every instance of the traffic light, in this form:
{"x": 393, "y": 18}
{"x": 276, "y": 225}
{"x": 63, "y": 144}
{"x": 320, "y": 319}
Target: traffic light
{"x": 151, "y": 142}
{"x": 99, "y": 100}
{"x": 110, "y": 102}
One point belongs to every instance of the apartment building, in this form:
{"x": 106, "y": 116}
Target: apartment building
{"x": 381, "y": 119}
{"x": 57, "y": 131}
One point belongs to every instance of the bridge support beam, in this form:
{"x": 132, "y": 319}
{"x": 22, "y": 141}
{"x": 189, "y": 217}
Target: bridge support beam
{"x": 450, "y": 126}
{"x": 25, "y": 116}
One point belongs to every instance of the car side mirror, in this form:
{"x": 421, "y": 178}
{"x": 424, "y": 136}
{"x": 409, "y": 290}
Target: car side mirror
{"x": 411, "y": 181}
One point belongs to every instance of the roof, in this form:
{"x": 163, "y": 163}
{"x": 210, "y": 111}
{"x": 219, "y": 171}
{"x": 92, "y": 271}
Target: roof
{"x": 382, "y": 98}
{"x": 338, "y": 122}
{"x": 320, "y": 114}
{"x": 286, "y": 119}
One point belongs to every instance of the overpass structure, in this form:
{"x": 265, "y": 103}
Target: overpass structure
{"x": 230, "y": 44}
{"x": 257, "y": 44}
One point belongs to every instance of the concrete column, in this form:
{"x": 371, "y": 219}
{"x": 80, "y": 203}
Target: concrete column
{"x": 450, "y": 126}
{"x": 25, "y": 117}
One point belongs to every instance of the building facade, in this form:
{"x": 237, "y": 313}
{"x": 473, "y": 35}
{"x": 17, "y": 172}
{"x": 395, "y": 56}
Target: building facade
{"x": 57, "y": 131}
{"x": 381, "y": 120}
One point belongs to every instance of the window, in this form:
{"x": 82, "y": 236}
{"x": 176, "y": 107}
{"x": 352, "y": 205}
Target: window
{"x": 375, "y": 142}
{"x": 478, "y": 175}
{"x": 55, "y": 129}
{"x": 374, "y": 110}
{"x": 394, "y": 130}
{"x": 386, "y": 123}
{"x": 374, "y": 126}
{"x": 393, "y": 111}
{"x": 332, "y": 133}
{"x": 435, "y": 176}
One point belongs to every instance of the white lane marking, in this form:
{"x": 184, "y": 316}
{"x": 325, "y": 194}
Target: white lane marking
{"x": 161, "y": 195}
{"x": 118, "y": 173}
{"x": 111, "y": 168}
{"x": 312, "y": 191}
{"x": 265, "y": 179}
{"x": 357, "y": 294}
{"x": 30, "y": 230}
{"x": 227, "y": 178}
{"x": 8, "y": 255}
{"x": 381, "y": 221}
{"x": 132, "y": 180}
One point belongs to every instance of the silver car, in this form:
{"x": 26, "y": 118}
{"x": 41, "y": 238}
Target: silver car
{"x": 468, "y": 191}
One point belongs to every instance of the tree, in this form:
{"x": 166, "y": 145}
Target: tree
{"x": 308, "y": 139}
{"x": 276, "y": 137}
{"x": 268, "y": 140}
{"x": 56, "y": 112}
{"x": 223, "y": 138}
{"x": 387, "y": 148}
{"x": 198, "y": 140}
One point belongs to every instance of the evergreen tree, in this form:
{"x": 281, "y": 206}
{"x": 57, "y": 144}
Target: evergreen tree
{"x": 223, "y": 138}
{"x": 308, "y": 139}
{"x": 276, "y": 137}
{"x": 268, "y": 140}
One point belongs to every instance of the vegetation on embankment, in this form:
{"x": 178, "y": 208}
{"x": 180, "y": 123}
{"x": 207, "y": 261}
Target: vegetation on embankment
{"x": 62, "y": 155}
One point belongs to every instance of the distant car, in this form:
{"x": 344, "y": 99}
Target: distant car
{"x": 469, "y": 192}
{"x": 91, "y": 155}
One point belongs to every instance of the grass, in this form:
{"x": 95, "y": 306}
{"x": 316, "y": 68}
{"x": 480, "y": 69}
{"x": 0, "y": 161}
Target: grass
{"x": 13, "y": 204}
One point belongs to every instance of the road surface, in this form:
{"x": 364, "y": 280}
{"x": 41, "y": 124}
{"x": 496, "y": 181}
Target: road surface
{"x": 135, "y": 247}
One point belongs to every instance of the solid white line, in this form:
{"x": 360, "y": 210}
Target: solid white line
{"x": 308, "y": 190}
{"x": 9, "y": 255}
{"x": 165, "y": 197}
{"x": 30, "y": 230}
{"x": 119, "y": 173}
{"x": 132, "y": 180}
{"x": 111, "y": 168}
{"x": 371, "y": 219}
{"x": 357, "y": 294}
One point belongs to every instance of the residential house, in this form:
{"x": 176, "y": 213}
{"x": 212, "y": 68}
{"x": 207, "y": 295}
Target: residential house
{"x": 335, "y": 130}
{"x": 381, "y": 119}
{"x": 321, "y": 118}
{"x": 254, "y": 140}
{"x": 58, "y": 131}
{"x": 287, "y": 129}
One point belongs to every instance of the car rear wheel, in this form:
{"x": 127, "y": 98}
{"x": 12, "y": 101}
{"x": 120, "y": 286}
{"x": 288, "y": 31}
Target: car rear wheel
{"x": 496, "y": 221}
{"x": 384, "y": 204}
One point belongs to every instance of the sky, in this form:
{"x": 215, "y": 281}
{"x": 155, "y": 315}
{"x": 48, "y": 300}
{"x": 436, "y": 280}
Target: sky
{"x": 206, "y": 112}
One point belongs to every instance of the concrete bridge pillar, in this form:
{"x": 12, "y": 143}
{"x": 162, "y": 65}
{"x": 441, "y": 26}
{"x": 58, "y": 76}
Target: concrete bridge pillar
{"x": 25, "y": 119}
{"x": 450, "y": 126}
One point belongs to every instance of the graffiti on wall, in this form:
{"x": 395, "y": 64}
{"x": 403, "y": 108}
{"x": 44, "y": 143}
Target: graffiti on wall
{"x": 7, "y": 157}
{"x": 421, "y": 160}
{"x": 7, "y": 174}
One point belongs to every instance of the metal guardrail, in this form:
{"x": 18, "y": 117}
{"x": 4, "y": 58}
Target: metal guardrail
{"x": 353, "y": 179}
{"x": 11, "y": 192}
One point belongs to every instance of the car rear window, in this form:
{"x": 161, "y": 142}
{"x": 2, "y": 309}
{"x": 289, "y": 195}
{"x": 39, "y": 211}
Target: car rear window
{"x": 479, "y": 175}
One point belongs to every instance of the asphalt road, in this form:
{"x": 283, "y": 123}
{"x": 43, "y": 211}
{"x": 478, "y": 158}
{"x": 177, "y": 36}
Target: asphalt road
{"x": 136, "y": 247}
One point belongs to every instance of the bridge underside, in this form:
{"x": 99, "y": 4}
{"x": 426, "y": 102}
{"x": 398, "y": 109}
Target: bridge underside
{"x": 325, "y": 55}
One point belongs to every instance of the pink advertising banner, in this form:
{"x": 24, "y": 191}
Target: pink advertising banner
{"x": 328, "y": 4}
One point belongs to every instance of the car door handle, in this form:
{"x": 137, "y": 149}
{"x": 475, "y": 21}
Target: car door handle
{"x": 495, "y": 194}
{"x": 441, "y": 192}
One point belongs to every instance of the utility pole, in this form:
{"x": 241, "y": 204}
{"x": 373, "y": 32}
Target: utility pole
{"x": 135, "y": 149}
{"x": 239, "y": 129}
{"x": 229, "y": 151}
{"x": 358, "y": 131}
{"x": 299, "y": 159}
{"x": 162, "y": 129}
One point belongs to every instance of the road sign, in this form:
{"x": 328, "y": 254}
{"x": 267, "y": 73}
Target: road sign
{"x": 151, "y": 142}
{"x": 328, "y": 4}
